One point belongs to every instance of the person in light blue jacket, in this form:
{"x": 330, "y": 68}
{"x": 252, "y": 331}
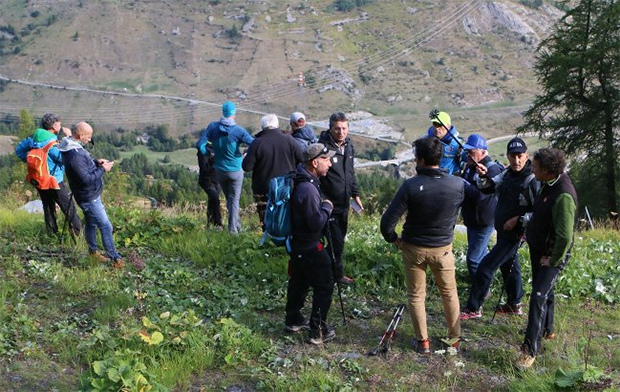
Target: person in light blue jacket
{"x": 226, "y": 137}
{"x": 48, "y": 133}
{"x": 447, "y": 133}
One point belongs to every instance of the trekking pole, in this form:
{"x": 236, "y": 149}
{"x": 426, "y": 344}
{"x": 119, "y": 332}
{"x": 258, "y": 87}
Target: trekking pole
{"x": 434, "y": 116}
{"x": 333, "y": 256}
{"x": 399, "y": 317}
{"x": 399, "y": 308}
{"x": 68, "y": 217}
{"x": 512, "y": 264}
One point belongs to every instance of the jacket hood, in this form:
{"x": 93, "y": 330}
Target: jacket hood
{"x": 303, "y": 175}
{"x": 42, "y": 135}
{"x": 68, "y": 144}
{"x": 305, "y": 133}
{"x": 267, "y": 131}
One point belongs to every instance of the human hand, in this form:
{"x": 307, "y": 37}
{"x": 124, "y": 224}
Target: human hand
{"x": 107, "y": 165}
{"x": 359, "y": 202}
{"x": 329, "y": 202}
{"x": 481, "y": 169}
{"x": 66, "y": 131}
{"x": 511, "y": 223}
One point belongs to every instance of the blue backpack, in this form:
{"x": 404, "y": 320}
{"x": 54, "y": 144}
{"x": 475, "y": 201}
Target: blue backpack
{"x": 277, "y": 212}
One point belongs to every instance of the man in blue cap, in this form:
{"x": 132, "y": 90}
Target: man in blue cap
{"x": 226, "y": 137}
{"x": 479, "y": 209}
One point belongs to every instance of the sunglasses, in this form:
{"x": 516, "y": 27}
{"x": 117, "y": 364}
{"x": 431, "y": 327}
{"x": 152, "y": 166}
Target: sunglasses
{"x": 322, "y": 152}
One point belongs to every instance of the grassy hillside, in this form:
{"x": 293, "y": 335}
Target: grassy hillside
{"x": 392, "y": 58}
{"x": 194, "y": 310}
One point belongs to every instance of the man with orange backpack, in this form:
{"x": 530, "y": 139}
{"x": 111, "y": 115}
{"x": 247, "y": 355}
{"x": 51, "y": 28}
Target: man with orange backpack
{"x": 46, "y": 172}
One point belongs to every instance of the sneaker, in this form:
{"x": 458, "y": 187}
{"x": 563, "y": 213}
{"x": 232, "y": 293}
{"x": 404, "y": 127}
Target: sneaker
{"x": 98, "y": 257}
{"x": 346, "y": 280}
{"x": 324, "y": 335}
{"x": 469, "y": 314}
{"x": 514, "y": 310}
{"x": 452, "y": 342}
{"x": 525, "y": 361}
{"x": 550, "y": 336}
{"x": 118, "y": 264}
{"x": 423, "y": 347}
{"x": 296, "y": 327}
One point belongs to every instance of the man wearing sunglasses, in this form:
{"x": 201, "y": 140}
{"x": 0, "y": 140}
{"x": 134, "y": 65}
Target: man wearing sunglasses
{"x": 310, "y": 264}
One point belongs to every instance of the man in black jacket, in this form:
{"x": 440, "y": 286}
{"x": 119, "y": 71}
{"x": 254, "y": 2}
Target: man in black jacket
{"x": 550, "y": 239}
{"x": 431, "y": 200}
{"x": 271, "y": 154}
{"x": 340, "y": 185}
{"x": 516, "y": 189}
{"x": 310, "y": 264}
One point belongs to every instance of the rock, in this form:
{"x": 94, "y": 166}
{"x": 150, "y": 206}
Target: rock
{"x": 380, "y": 69}
{"x": 341, "y": 58}
{"x": 267, "y": 18}
{"x": 470, "y": 26}
{"x": 33, "y": 207}
{"x": 412, "y": 10}
{"x": 210, "y": 19}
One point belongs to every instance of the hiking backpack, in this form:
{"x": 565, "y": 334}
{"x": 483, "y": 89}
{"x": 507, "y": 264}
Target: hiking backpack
{"x": 277, "y": 212}
{"x": 38, "y": 171}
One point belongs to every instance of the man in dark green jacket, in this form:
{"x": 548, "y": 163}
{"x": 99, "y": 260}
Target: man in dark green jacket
{"x": 550, "y": 239}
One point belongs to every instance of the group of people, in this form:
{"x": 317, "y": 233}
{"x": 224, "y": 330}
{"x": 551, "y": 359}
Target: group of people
{"x": 529, "y": 201}
{"x": 85, "y": 182}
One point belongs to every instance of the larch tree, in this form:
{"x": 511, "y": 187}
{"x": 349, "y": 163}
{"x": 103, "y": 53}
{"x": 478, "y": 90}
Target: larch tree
{"x": 578, "y": 108}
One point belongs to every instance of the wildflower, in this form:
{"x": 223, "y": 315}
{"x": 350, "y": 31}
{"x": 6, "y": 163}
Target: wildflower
{"x": 452, "y": 351}
{"x": 459, "y": 364}
{"x": 599, "y": 286}
{"x": 448, "y": 373}
{"x": 440, "y": 352}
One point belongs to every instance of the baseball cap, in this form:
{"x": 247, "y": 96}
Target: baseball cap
{"x": 317, "y": 150}
{"x": 297, "y": 116}
{"x": 228, "y": 109}
{"x": 443, "y": 117}
{"x": 516, "y": 146}
{"x": 475, "y": 141}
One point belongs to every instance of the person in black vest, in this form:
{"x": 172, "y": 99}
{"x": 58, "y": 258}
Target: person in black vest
{"x": 271, "y": 154}
{"x": 340, "y": 185}
{"x": 516, "y": 189}
{"x": 478, "y": 211}
{"x": 550, "y": 239}
{"x": 208, "y": 182}
{"x": 310, "y": 264}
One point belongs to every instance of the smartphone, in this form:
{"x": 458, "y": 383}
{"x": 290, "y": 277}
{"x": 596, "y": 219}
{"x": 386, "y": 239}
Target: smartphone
{"x": 356, "y": 207}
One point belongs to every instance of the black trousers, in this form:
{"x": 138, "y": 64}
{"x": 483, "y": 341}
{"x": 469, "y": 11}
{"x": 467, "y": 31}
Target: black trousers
{"x": 214, "y": 212}
{"x": 542, "y": 302}
{"x": 309, "y": 268}
{"x": 338, "y": 225}
{"x": 50, "y": 198}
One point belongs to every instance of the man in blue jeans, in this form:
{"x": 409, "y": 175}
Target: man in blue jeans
{"x": 84, "y": 174}
{"x": 226, "y": 137}
{"x": 478, "y": 209}
{"x": 516, "y": 188}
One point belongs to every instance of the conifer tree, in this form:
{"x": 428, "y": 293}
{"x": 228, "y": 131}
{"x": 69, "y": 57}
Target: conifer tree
{"x": 578, "y": 69}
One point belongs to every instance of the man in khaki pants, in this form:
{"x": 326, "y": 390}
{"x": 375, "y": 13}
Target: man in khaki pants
{"x": 431, "y": 200}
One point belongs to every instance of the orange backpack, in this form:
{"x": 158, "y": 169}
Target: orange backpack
{"x": 38, "y": 172}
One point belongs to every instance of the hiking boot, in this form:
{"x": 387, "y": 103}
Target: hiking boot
{"x": 423, "y": 347}
{"x": 346, "y": 280}
{"x": 98, "y": 257}
{"x": 321, "y": 336}
{"x": 118, "y": 264}
{"x": 514, "y": 310}
{"x": 296, "y": 327}
{"x": 525, "y": 361}
{"x": 470, "y": 314}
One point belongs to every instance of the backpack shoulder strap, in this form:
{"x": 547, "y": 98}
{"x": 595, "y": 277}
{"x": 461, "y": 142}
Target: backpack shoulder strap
{"x": 527, "y": 189}
{"x": 49, "y": 145}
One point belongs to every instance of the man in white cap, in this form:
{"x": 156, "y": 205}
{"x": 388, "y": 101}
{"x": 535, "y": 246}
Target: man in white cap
{"x": 301, "y": 131}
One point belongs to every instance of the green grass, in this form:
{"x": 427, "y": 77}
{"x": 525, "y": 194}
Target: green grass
{"x": 61, "y": 310}
{"x": 186, "y": 157}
